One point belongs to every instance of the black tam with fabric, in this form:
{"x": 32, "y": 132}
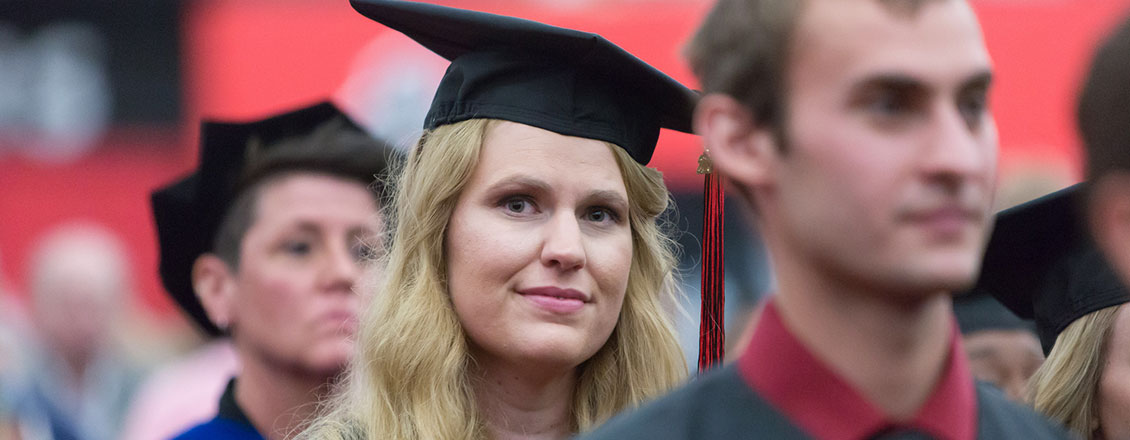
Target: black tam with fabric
{"x": 980, "y": 312}
{"x": 569, "y": 82}
{"x": 1042, "y": 263}
{"x": 188, "y": 212}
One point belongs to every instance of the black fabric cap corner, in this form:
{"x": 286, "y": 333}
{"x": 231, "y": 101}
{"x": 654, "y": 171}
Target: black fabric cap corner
{"x": 979, "y": 312}
{"x": 189, "y": 211}
{"x": 1042, "y": 264}
{"x": 569, "y": 82}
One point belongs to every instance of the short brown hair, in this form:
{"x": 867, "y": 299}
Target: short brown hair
{"x": 334, "y": 149}
{"x": 1104, "y": 107}
{"x": 742, "y": 49}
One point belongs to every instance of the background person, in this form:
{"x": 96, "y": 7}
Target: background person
{"x": 265, "y": 242}
{"x": 1003, "y": 349}
{"x": 1042, "y": 264}
{"x": 79, "y": 380}
{"x": 1104, "y": 123}
{"x": 1078, "y": 239}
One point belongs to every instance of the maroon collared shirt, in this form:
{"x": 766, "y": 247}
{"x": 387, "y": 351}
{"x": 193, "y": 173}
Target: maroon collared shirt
{"x": 813, "y": 397}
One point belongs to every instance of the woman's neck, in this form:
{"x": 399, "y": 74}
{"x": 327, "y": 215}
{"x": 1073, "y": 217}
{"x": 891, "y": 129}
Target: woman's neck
{"x": 279, "y": 401}
{"x": 520, "y": 405}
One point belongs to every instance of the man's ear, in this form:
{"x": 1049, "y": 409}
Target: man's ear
{"x": 215, "y": 287}
{"x": 739, "y": 148}
{"x": 1109, "y": 214}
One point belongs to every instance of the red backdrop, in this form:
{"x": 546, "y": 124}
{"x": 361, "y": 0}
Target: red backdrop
{"x": 249, "y": 58}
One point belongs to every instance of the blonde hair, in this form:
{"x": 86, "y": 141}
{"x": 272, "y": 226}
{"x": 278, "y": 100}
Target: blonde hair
{"x": 1065, "y": 387}
{"x": 409, "y": 379}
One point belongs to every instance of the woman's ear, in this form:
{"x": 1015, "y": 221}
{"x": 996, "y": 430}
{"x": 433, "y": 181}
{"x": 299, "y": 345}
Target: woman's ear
{"x": 1110, "y": 220}
{"x": 214, "y": 284}
{"x": 739, "y": 148}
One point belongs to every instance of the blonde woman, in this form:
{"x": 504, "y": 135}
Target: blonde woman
{"x": 1081, "y": 384}
{"x": 1042, "y": 263}
{"x": 523, "y": 291}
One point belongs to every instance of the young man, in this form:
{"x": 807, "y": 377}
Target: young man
{"x": 265, "y": 242}
{"x": 859, "y": 132}
{"x": 1104, "y": 122}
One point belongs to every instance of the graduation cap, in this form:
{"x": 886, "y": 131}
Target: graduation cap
{"x": 979, "y": 311}
{"x": 565, "y": 81}
{"x": 233, "y": 156}
{"x": 1042, "y": 264}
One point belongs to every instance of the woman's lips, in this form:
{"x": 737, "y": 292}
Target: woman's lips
{"x": 555, "y": 299}
{"x": 341, "y": 320}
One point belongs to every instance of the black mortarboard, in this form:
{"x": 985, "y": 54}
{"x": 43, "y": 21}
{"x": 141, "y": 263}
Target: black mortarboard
{"x": 978, "y": 311}
{"x": 188, "y": 212}
{"x": 569, "y": 82}
{"x": 1043, "y": 265}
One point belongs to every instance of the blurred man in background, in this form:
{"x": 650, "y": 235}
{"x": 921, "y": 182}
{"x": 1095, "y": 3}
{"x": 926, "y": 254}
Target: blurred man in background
{"x": 1003, "y": 349}
{"x": 11, "y": 359}
{"x": 79, "y": 383}
{"x": 1104, "y": 122}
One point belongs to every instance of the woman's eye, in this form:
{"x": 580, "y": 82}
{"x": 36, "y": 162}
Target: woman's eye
{"x": 362, "y": 252}
{"x": 601, "y": 215}
{"x": 518, "y": 205}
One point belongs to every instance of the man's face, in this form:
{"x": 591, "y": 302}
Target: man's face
{"x": 294, "y": 304}
{"x": 1005, "y": 358}
{"x": 1110, "y": 219}
{"x": 885, "y": 183}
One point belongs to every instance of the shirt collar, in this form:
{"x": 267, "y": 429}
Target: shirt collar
{"x": 778, "y": 367}
{"x": 230, "y": 409}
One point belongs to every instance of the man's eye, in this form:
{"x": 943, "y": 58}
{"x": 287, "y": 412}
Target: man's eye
{"x": 296, "y": 247}
{"x": 888, "y": 105}
{"x": 973, "y": 108}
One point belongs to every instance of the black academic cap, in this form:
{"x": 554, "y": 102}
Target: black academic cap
{"x": 188, "y": 212}
{"x": 978, "y": 311}
{"x": 569, "y": 82}
{"x": 1043, "y": 265}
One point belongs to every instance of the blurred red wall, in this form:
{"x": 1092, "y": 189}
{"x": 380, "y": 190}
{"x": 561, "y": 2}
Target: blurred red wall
{"x": 248, "y": 58}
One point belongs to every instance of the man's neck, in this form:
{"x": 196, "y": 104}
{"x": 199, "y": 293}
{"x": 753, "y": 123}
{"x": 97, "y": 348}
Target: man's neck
{"x": 519, "y": 405}
{"x": 279, "y": 402}
{"x": 893, "y": 352}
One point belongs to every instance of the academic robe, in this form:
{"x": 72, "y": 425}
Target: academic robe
{"x": 230, "y": 423}
{"x": 779, "y": 390}
{"x": 721, "y": 406}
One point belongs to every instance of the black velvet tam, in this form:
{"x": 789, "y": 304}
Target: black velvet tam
{"x": 188, "y": 212}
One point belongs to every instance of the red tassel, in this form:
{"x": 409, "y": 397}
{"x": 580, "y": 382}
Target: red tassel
{"x": 712, "y": 331}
